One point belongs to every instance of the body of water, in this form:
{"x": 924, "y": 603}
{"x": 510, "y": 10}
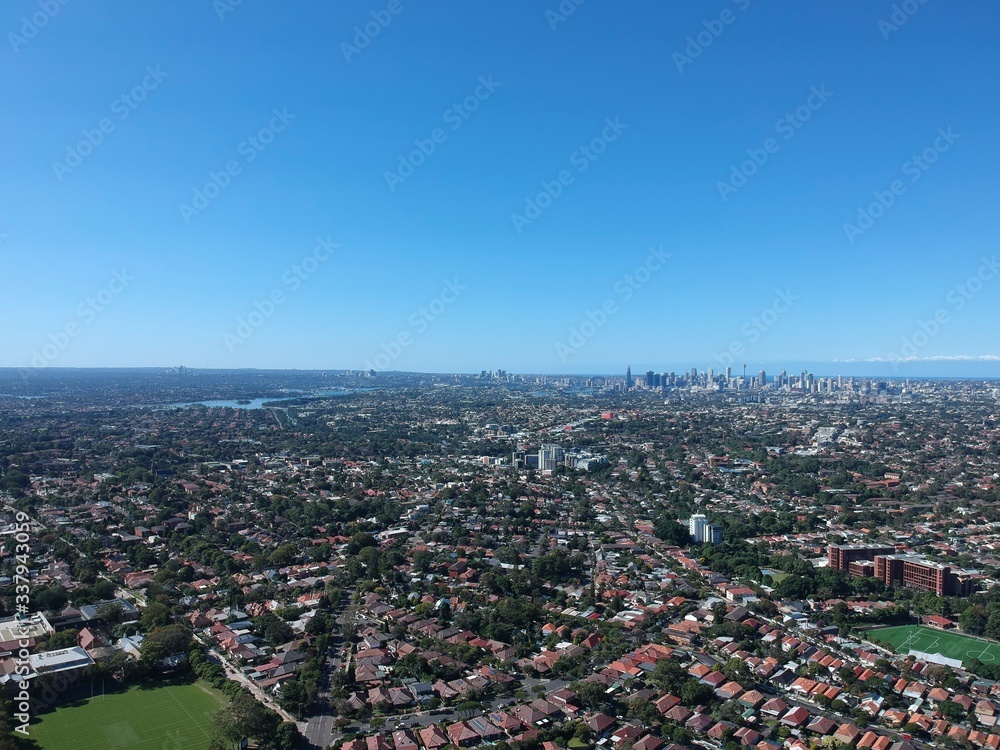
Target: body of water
{"x": 256, "y": 403}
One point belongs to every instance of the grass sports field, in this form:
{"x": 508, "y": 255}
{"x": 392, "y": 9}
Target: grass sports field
{"x": 933, "y": 641}
{"x": 171, "y": 717}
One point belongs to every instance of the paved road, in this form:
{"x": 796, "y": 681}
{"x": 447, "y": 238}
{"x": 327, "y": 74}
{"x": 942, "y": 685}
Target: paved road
{"x": 237, "y": 676}
{"x": 319, "y": 729}
{"x": 426, "y": 718}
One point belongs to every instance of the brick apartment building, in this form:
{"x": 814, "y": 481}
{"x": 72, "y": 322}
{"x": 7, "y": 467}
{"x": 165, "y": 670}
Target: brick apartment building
{"x": 842, "y": 555}
{"x": 909, "y": 571}
{"x": 922, "y": 575}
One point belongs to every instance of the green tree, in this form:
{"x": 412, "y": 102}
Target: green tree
{"x": 155, "y": 615}
{"x": 61, "y": 639}
{"x": 694, "y": 693}
{"x": 52, "y": 598}
{"x": 974, "y": 619}
{"x": 993, "y": 626}
{"x": 110, "y": 613}
{"x": 172, "y": 639}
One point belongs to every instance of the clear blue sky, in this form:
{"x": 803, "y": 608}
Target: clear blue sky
{"x": 686, "y": 115}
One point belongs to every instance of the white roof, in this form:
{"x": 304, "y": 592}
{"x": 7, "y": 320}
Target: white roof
{"x": 55, "y": 661}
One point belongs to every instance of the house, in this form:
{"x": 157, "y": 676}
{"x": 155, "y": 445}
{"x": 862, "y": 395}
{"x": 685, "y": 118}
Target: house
{"x": 894, "y": 717}
{"x": 648, "y": 742}
{"x": 752, "y": 699}
{"x": 937, "y": 621}
{"x": 403, "y": 739}
{"x": 729, "y": 691}
{"x": 627, "y": 733}
{"x": 795, "y": 717}
{"x": 719, "y": 730}
{"x": 938, "y": 695}
{"x": 678, "y": 714}
{"x": 400, "y": 696}
{"x": 774, "y": 707}
{"x": 486, "y": 730}
{"x": 599, "y": 724}
{"x": 821, "y": 725}
{"x": 88, "y": 639}
{"x": 986, "y": 713}
{"x": 666, "y": 702}
{"x": 746, "y": 736}
{"x": 700, "y": 722}
{"x": 433, "y": 737}
{"x": 958, "y": 734}
{"x": 506, "y": 722}
{"x": 528, "y": 716}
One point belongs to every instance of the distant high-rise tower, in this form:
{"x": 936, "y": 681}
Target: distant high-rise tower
{"x": 696, "y": 526}
{"x": 628, "y": 377}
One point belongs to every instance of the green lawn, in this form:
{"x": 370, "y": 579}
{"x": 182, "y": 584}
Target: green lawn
{"x": 777, "y": 576}
{"x": 170, "y": 717}
{"x": 932, "y": 641}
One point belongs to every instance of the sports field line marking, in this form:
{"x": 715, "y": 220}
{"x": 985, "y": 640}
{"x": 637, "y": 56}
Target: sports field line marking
{"x": 184, "y": 709}
{"x": 100, "y": 717}
{"x": 982, "y": 654}
{"x": 98, "y": 722}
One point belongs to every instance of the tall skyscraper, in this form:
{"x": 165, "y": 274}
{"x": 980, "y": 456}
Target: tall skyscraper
{"x": 628, "y": 377}
{"x": 549, "y": 457}
{"x": 696, "y": 526}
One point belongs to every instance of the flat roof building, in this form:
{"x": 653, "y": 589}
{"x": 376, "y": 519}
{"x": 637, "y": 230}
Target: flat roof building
{"x": 842, "y": 555}
{"x": 917, "y": 573}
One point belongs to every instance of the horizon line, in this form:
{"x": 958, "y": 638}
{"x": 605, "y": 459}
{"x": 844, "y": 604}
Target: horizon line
{"x": 453, "y": 373}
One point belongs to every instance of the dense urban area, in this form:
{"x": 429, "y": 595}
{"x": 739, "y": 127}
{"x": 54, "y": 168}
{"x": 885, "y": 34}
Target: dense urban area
{"x": 379, "y": 561}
